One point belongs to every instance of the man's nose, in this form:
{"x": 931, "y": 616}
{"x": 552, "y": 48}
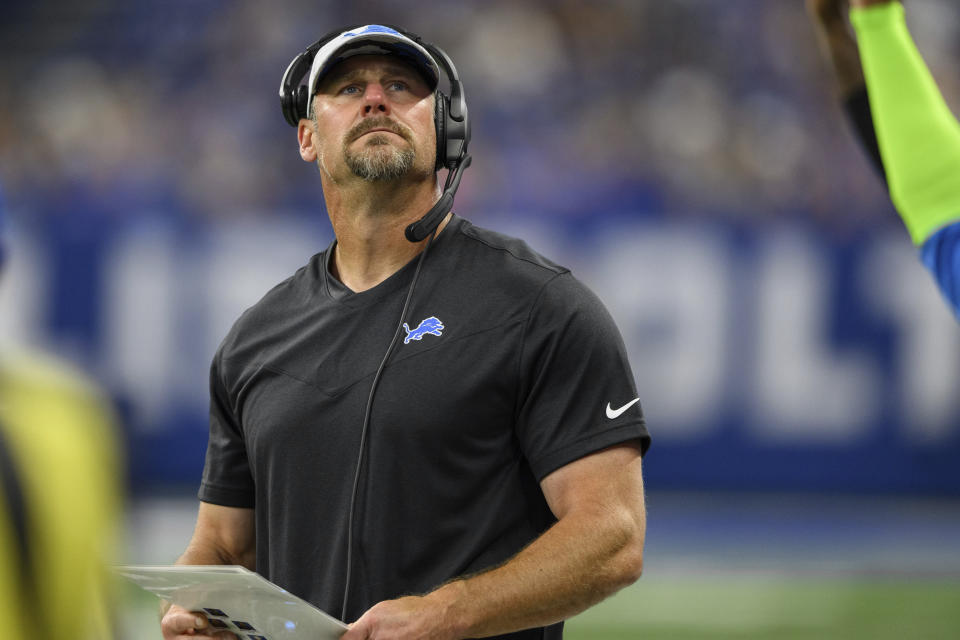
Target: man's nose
{"x": 375, "y": 100}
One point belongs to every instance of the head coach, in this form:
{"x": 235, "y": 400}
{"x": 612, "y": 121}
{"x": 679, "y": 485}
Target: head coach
{"x": 429, "y": 429}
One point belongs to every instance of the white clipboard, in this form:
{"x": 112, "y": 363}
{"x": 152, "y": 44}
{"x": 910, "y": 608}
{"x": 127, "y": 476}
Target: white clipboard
{"x": 238, "y": 600}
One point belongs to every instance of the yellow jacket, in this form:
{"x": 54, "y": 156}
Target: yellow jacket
{"x": 58, "y": 431}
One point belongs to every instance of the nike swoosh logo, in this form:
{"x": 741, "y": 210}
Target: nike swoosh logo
{"x": 616, "y": 413}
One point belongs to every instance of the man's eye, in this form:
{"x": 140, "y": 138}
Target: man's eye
{"x": 350, "y": 89}
{"x": 397, "y": 85}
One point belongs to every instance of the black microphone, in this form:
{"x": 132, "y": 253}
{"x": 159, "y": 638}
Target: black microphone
{"x": 419, "y": 230}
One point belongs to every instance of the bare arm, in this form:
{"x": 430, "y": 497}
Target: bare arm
{"x": 839, "y": 48}
{"x": 223, "y": 535}
{"x": 837, "y": 43}
{"x": 594, "y": 549}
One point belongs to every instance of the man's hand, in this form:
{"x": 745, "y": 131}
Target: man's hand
{"x": 834, "y": 12}
{"x": 223, "y": 535}
{"x": 409, "y": 618}
{"x": 180, "y": 624}
{"x": 827, "y": 12}
{"x": 837, "y": 43}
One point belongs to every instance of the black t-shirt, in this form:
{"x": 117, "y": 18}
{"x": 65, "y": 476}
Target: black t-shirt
{"x": 503, "y": 374}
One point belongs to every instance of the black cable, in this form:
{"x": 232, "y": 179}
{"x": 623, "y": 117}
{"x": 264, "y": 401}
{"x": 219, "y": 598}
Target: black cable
{"x": 366, "y": 424}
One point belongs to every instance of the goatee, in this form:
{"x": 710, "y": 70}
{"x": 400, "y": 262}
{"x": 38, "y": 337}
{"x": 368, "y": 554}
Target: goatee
{"x": 379, "y": 160}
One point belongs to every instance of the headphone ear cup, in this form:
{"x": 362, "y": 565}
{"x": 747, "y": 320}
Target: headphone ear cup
{"x": 289, "y": 94}
{"x": 288, "y": 106}
{"x": 301, "y": 102}
{"x": 440, "y": 124}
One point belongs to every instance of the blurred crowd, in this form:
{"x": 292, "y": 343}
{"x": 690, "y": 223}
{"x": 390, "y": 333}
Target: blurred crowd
{"x": 114, "y": 112}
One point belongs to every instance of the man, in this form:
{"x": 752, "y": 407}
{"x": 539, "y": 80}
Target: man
{"x": 59, "y": 499}
{"x": 491, "y": 484}
{"x": 919, "y": 139}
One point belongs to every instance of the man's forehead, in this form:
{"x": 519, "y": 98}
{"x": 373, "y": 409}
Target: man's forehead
{"x": 356, "y": 66}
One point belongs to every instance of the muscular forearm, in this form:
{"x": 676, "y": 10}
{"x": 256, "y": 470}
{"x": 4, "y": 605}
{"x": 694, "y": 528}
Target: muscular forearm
{"x": 223, "y": 535}
{"x": 202, "y": 552}
{"x": 224, "y": 540}
{"x": 578, "y": 562}
{"x": 594, "y": 549}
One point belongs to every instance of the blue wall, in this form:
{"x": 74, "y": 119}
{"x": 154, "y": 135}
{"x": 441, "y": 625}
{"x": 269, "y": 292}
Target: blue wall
{"x": 767, "y": 358}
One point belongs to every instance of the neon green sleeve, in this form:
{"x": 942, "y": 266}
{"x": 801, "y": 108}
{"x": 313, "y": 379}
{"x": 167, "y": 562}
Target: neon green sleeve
{"x": 918, "y": 135}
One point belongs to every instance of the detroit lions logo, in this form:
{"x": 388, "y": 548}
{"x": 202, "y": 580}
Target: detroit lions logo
{"x": 373, "y": 28}
{"x": 430, "y": 325}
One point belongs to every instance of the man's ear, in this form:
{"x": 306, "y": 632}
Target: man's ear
{"x": 306, "y": 134}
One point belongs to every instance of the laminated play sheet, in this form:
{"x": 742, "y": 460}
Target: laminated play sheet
{"x": 238, "y": 600}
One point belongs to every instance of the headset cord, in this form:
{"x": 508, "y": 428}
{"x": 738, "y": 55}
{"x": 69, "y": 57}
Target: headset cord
{"x": 366, "y": 424}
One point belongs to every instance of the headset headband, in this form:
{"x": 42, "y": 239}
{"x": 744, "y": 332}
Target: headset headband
{"x": 297, "y": 70}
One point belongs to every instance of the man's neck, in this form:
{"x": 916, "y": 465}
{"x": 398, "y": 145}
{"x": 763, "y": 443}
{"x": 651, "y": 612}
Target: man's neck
{"x": 369, "y": 221}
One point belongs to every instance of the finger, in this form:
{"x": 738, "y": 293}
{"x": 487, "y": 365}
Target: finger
{"x": 355, "y": 631}
{"x": 209, "y": 633}
{"x": 182, "y": 621}
{"x": 213, "y": 632}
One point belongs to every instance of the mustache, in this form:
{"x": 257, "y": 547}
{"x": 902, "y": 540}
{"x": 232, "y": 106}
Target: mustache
{"x": 382, "y": 122}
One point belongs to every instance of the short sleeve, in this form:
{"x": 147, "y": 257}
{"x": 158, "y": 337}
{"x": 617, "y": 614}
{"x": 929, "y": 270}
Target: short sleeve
{"x": 941, "y": 255}
{"x": 227, "y": 479}
{"x": 578, "y": 393}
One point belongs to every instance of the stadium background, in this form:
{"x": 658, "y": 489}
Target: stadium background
{"x": 687, "y": 159}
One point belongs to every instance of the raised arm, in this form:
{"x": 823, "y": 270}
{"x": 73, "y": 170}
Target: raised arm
{"x": 903, "y": 123}
{"x": 838, "y": 47}
{"x": 919, "y": 138}
{"x": 223, "y": 535}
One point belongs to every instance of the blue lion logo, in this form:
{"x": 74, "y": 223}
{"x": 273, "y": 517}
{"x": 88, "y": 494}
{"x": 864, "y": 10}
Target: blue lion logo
{"x": 379, "y": 28}
{"x": 430, "y": 325}
{"x": 374, "y": 28}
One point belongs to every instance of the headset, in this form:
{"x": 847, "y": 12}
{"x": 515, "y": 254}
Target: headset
{"x": 453, "y": 135}
{"x": 450, "y": 119}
